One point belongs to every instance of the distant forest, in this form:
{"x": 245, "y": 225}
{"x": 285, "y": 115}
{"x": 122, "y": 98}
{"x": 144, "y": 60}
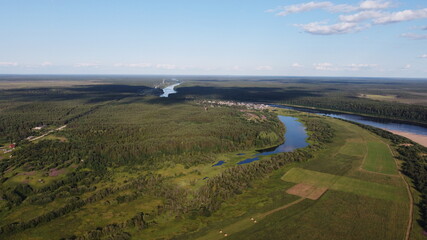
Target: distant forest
{"x": 409, "y": 102}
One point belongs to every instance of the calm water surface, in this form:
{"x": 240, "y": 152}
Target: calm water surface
{"x": 295, "y": 137}
{"x": 169, "y": 90}
{"x": 371, "y": 121}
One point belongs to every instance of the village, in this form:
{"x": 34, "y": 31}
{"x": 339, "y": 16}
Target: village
{"x": 8, "y": 148}
{"x": 213, "y": 103}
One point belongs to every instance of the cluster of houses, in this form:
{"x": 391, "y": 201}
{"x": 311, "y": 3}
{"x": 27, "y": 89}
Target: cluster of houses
{"x": 213, "y": 103}
{"x": 8, "y": 148}
{"x": 39, "y": 127}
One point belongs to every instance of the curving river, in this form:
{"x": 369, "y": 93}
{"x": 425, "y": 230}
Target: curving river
{"x": 295, "y": 137}
{"x": 414, "y": 132}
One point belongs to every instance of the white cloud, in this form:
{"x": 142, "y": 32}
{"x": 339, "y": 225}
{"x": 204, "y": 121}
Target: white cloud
{"x": 319, "y": 28}
{"x": 414, "y": 36}
{"x": 406, "y": 15}
{"x": 46, "y": 64}
{"x": 406, "y": 67}
{"x": 166, "y": 66}
{"x": 349, "y": 67}
{"x": 381, "y": 17}
{"x": 361, "y": 16}
{"x": 8, "y": 64}
{"x": 329, "y": 6}
{"x": 87, "y": 65}
{"x": 370, "y": 4}
{"x": 296, "y": 65}
{"x": 423, "y": 56}
{"x": 134, "y": 65}
{"x": 264, "y": 68}
{"x": 360, "y": 66}
{"x": 373, "y": 11}
{"x": 303, "y": 7}
{"x": 325, "y": 67}
{"x": 236, "y": 68}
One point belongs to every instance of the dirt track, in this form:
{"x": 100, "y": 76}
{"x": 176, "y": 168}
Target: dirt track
{"x": 44, "y": 135}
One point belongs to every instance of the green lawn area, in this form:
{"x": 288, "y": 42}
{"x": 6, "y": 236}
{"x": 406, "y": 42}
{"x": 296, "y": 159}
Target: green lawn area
{"x": 379, "y": 159}
{"x": 345, "y": 184}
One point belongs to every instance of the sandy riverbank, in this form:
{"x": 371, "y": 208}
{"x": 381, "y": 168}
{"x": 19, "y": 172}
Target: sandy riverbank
{"x": 421, "y": 139}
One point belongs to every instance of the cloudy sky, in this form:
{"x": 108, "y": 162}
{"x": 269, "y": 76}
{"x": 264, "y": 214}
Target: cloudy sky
{"x": 373, "y": 38}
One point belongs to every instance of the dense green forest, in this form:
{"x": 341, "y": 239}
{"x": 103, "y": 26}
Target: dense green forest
{"x": 110, "y": 127}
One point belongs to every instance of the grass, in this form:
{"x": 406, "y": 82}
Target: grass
{"x": 52, "y": 137}
{"x": 345, "y": 184}
{"x": 379, "y": 159}
{"x": 337, "y": 215}
{"x": 379, "y": 97}
{"x": 90, "y": 217}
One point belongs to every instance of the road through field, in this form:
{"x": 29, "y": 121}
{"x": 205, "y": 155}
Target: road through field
{"x": 411, "y": 199}
{"x": 44, "y": 135}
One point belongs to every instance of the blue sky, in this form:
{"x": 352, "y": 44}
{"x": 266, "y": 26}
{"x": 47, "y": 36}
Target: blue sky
{"x": 373, "y": 38}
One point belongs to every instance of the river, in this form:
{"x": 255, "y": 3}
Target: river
{"x": 412, "y": 131}
{"x": 169, "y": 90}
{"x": 295, "y": 137}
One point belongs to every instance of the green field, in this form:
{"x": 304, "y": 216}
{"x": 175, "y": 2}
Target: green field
{"x": 345, "y": 184}
{"x": 379, "y": 159}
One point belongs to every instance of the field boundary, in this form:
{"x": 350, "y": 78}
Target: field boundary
{"x": 411, "y": 198}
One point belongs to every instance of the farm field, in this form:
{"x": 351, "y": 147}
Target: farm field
{"x": 379, "y": 159}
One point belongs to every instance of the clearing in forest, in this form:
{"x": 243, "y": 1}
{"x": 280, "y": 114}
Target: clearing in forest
{"x": 307, "y": 191}
{"x": 345, "y": 184}
{"x": 379, "y": 159}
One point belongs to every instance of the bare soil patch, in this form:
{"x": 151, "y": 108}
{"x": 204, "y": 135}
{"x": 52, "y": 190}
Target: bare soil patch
{"x": 32, "y": 173}
{"x": 55, "y": 172}
{"x": 307, "y": 191}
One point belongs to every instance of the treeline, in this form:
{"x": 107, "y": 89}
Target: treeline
{"x": 334, "y": 95}
{"x": 414, "y": 157}
{"x": 17, "y": 122}
{"x": 75, "y": 183}
{"x": 407, "y": 112}
{"x": 237, "y": 179}
{"x": 114, "y": 231}
{"x": 149, "y": 184}
{"x": 123, "y": 134}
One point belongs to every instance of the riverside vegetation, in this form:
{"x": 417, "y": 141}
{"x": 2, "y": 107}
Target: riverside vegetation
{"x": 131, "y": 165}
